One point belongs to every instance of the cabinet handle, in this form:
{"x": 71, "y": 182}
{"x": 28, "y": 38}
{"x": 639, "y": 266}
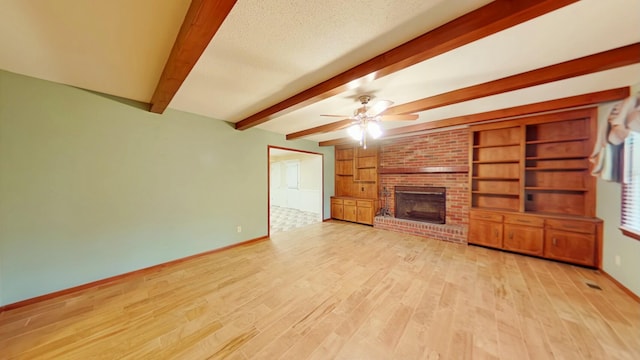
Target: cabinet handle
{"x": 554, "y": 242}
{"x": 496, "y": 232}
{"x": 511, "y": 235}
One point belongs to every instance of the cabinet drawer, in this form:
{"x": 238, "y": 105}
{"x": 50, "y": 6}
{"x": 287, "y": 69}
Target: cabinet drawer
{"x": 336, "y": 201}
{"x": 524, "y": 220}
{"x": 486, "y": 216}
{"x": 349, "y": 202}
{"x": 572, "y": 225}
{"x": 364, "y": 203}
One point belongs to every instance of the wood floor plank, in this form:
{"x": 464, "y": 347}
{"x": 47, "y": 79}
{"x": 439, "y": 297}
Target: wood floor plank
{"x": 337, "y": 290}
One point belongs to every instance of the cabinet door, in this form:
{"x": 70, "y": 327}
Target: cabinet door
{"x": 485, "y": 233}
{"x": 337, "y": 211}
{"x": 365, "y": 214}
{"x": 569, "y": 246}
{"x": 350, "y": 213}
{"x": 523, "y": 239}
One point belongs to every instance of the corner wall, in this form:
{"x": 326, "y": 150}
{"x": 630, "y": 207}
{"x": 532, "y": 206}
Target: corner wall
{"x": 93, "y": 186}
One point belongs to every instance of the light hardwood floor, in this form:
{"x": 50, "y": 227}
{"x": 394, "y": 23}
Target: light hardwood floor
{"x": 337, "y": 290}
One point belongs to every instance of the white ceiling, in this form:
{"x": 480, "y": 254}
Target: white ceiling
{"x": 267, "y": 51}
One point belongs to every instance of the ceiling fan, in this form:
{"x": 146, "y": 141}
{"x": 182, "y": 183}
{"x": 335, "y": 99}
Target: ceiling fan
{"x": 366, "y": 119}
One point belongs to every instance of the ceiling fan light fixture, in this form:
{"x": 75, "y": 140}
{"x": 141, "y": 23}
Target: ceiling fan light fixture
{"x": 374, "y": 130}
{"x": 355, "y": 131}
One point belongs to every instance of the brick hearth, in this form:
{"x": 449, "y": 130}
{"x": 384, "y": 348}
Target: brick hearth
{"x": 442, "y": 149}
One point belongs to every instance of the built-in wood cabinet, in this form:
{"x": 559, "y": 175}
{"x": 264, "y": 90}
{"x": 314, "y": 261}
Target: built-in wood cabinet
{"x": 486, "y": 229}
{"x": 529, "y": 183}
{"x": 524, "y": 234}
{"x": 337, "y": 208}
{"x": 356, "y": 184}
{"x": 352, "y": 209}
{"x": 366, "y": 210}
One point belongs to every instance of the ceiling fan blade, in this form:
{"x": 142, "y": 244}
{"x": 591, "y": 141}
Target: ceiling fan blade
{"x": 341, "y": 116}
{"x": 399, "y": 117}
{"x": 379, "y": 107}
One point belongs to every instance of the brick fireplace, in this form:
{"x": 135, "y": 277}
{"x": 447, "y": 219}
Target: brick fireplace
{"x": 435, "y": 160}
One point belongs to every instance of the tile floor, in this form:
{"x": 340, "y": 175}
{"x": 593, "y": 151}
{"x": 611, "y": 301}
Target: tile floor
{"x": 283, "y": 219}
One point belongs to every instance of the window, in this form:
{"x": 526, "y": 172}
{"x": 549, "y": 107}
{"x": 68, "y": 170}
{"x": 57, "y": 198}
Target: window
{"x": 630, "y": 224}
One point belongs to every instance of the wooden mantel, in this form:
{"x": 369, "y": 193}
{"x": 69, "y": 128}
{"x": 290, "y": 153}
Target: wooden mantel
{"x": 425, "y": 170}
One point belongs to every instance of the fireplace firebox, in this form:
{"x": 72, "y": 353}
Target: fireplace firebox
{"x": 427, "y": 204}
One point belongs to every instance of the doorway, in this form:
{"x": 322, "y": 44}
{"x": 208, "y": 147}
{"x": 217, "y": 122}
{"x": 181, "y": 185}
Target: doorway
{"x": 295, "y": 188}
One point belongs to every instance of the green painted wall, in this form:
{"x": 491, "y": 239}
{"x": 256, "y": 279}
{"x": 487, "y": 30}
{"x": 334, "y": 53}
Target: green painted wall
{"x": 92, "y": 186}
{"x": 615, "y": 243}
{"x": 609, "y": 197}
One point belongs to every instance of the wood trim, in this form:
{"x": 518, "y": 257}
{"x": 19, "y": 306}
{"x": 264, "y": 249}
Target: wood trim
{"x": 295, "y": 150}
{"x": 580, "y": 113}
{"x": 202, "y": 21}
{"x": 629, "y": 233}
{"x": 622, "y": 287}
{"x": 111, "y": 279}
{"x": 269, "y": 147}
{"x": 523, "y": 110}
{"x": 425, "y": 170}
{"x": 487, "y": 20}
{"x": 622, "y": 56}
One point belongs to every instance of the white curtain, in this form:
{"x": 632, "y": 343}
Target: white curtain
{"x": 622, "y": 117}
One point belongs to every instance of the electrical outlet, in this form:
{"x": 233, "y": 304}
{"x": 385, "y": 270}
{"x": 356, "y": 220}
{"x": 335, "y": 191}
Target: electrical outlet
{"x": 617, "y": 260}
{"x": 239, "y": 229}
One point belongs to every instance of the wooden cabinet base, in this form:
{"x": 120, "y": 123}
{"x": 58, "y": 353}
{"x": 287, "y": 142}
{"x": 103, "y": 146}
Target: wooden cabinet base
{"x": 353, "y": 209}
{"x": 568, "y": 239}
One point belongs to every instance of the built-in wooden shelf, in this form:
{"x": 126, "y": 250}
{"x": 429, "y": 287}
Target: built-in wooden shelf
{"x": 547, "y": 141}
{"x": 494, "y": 193}
{"x": 495, "y": 145}
{"x": 559, "y": 157}
{"x": 538, "y": 188}
{"x": 556, "y": 168}
{"x": 495, "y": 178}
{"x": 496, "y": 161}
{"x": 425, "y": 170}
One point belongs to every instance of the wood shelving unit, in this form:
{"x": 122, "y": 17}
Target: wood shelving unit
{"x": 529, "y": 181}
{"x": 356, "y": 184}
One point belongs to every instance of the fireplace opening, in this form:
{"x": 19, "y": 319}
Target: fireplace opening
{"x": 419, "y": 203}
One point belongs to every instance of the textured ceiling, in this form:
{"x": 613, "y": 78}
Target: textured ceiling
{"x": 267, "y": 51}
{"x": 117, "y": 47}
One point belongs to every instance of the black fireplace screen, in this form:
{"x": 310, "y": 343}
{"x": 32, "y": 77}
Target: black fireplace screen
{"x": 421, "y": 203}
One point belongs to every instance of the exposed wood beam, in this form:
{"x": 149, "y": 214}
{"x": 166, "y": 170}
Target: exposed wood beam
{"x": 341, "y": 124}
{"x": 335, "y": 142}
{"x": 622, "y": 56}
{"x": 202, "y": 21}
{"x": 485, "y": 21}
{"x": 529, "y": 109}
{"x": 523, "y": 110}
